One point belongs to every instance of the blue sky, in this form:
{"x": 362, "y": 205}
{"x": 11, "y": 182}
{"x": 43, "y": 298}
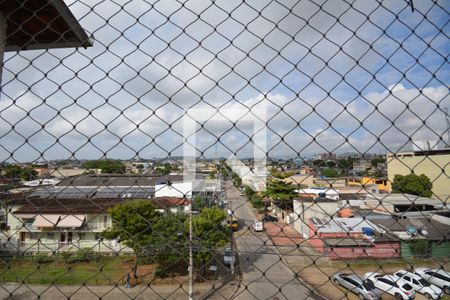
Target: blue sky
{"x": 332, "y": 75}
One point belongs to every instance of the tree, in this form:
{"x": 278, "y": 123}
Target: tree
{"x": 330, "y": 172}
{"x": 237, "y": 181}
{"x": 108, "y": 166}
{"x": 13, "y": 171}
{"x": 132, "y": 225}
{"x": 345, "y": 165}
{"x": 209, "y": 233}
{"x": 379, "y": 159}
{"x": 318, "y": 162}
{"x": 279, "y": 190}
{"x": 419, "y": 185}
{"x": 198, "y": 203}
{"x": 168, "y": 243}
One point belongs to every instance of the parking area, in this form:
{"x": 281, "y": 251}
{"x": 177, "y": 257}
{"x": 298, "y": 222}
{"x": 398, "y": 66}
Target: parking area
{"x": 318, "y": 275}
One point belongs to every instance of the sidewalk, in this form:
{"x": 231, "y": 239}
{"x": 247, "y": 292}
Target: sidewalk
{"x": 16, "y": 291}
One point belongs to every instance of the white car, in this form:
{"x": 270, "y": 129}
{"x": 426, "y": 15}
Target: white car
{"x": 389, "y": 284}
{"x": 228, "y": 257}
{"x": 419, "y": 284}
{"x": 437, "y": 277}
{"x": 258, "y": 226}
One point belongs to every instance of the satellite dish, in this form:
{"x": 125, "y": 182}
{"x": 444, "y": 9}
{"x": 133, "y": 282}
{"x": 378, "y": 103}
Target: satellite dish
{"x": 424, "y": 232}
{"x": 411, "y": 230}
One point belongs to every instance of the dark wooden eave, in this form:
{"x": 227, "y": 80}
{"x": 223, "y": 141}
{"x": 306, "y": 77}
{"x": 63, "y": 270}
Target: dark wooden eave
{"x": 41, "y": 24}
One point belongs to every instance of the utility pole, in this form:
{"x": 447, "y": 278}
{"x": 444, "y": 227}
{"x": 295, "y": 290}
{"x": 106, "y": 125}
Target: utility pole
{"x": 191, "y": 256}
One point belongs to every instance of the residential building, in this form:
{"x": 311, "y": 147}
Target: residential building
{"x": 309, "y": 206}
{"x": 324, "y": 156}
{"x": 364, "y": 182}
{"x": 351, "y": 238}
{"x": 300, "y": 180}
{"x": 435, "y": 229}
{"x": 49, "y": 225}
{"x": 402, "y": 203}
{"x": 433, "y": 163}
{"x": 361, "y": 166}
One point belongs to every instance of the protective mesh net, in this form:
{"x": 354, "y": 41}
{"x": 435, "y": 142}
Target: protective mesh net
{"x": 224, "y": 149}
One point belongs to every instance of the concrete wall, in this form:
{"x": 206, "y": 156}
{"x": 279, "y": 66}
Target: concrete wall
{"x": 303, "y": 211}
{"x": 431, "y": 166}
{"x": 377, "y": 250}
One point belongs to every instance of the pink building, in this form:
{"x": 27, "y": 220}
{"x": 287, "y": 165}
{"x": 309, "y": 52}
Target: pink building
{"x": 351, "y": 238}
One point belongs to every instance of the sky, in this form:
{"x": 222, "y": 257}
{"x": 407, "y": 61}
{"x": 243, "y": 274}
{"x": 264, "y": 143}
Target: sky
{"x": 332, "y": 76}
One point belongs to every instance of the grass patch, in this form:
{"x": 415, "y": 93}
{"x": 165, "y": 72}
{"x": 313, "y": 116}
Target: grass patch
{"x": 104, "y": 270}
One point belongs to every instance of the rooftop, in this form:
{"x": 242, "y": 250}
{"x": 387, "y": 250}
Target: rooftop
{"x": 110, "y": 180}
{"x": 342, "y": 225}
{"x": 420, "y": 153}
{"x": 83, "y": 206}
{"x": 41, "y": 24}
{"x": 434, "y": 230}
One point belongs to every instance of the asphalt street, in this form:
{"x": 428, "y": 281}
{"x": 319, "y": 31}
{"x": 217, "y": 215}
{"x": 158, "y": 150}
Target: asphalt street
{"x": 264, "y": 274}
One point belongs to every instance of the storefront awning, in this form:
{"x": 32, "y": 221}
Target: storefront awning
{"x": 46, "y": 220}
{"x": 70, "y": 221}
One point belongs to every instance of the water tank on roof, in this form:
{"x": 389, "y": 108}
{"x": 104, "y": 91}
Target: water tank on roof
{"x": 411, "y": 230}
{"x": 368, "y": 231}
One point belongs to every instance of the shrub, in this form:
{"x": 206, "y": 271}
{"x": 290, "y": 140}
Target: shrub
{"x": 42, "y": 258}
{"x": 161, "y": 273}
{"x": 419, "y": 247}
{"x": 82, "y": 255}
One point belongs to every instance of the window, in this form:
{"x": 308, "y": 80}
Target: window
{"x": 105, "y": 221}
{"x": 407, "y": 287}
{"x": 415, "y": 282}
{"x": 440, "y": 276}
{"x": 50, "y": 236}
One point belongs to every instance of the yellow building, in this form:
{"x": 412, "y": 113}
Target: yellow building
{"x": 435, "y": 164}
{"x": 382, "y": 183}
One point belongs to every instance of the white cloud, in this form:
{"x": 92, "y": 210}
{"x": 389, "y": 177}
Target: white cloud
{"x": 128, "y": 92}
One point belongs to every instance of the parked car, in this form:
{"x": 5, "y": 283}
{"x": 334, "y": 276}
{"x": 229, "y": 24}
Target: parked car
{"x": 269, "y": 218}
{"x": 363, "y": 288}
{"x": 258, "y": 226}
{"x": 233, "y": 223}
{"x": 228, "y": 257}
{"x": 419, "y": 284}
{"x": 389, "y": 284}
{"x": 438, "y": 277}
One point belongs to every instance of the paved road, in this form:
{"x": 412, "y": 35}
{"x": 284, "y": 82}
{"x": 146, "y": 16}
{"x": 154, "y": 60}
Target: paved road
{"x": 265, "y": 275}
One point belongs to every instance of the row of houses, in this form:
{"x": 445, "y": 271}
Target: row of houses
{"x": 373, "y": 225}
{"x": 72, "y": 214}
{"x": 350, "y": 238}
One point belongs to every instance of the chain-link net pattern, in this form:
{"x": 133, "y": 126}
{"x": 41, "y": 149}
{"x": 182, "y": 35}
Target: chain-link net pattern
{"x": 131, "y": 135}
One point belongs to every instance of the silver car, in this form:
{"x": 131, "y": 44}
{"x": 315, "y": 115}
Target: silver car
{"x": 363, "y": 288}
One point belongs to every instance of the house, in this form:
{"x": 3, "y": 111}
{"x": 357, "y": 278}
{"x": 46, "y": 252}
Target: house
{"x": 435, "y": 229}
{"x": 49, "y": 225}
{"x": 308, "y": 206}
{"x": 361, "y": 166}
{"x": 367, "y": 182}
{"x": 351, "y": 238}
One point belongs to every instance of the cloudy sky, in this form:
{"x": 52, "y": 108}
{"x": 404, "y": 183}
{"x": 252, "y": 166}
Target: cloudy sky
{"x": 333, "y": 76}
